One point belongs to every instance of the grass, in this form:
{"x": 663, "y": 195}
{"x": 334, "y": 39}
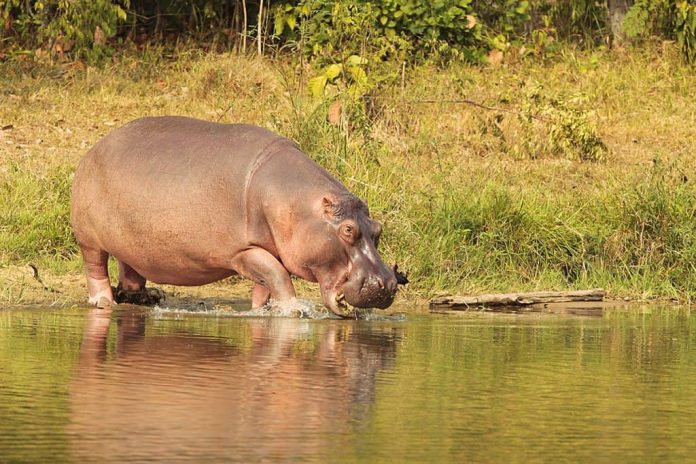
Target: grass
{"x": 583, "y": 177}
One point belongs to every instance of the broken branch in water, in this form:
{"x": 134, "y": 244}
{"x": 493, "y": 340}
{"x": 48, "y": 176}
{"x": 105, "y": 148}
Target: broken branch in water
{"x": 515, "y": 299}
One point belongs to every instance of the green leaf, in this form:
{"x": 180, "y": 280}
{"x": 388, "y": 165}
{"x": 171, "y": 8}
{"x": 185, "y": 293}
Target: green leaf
{"x": 279, "y": 25}
{"x": 291, "y": 21}
{"x": 358, "y": 74}
{"x": 332, "y": 71}
{"x": 355, "y": 60}
{"x": 317, "y": 84}
{"x": 121, "y": 13}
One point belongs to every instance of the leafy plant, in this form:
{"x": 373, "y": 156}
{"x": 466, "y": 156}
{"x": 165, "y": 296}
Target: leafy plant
{"x": 65, "y": 25}
{"x": 582, "y": 20}
{"x": 571, "y": 134}
{"x": 509, "y": 18}
{"x": 351, "y": 76}
{"x": 685, "y": 28}
{"x": 394, "y": 27}
{"x": 545, "y": 126}
{"x": 670, "y": 18}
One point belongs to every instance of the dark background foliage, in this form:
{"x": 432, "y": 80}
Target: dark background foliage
{"x": 406, "y": 29}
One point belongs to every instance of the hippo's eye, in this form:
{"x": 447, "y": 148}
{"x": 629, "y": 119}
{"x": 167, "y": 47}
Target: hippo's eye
{"x": 348, "y": 232}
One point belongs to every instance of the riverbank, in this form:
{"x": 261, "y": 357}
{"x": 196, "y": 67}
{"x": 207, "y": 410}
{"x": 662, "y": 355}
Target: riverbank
{"x": 513, "y": 197}
{"x": 27, "y": 285}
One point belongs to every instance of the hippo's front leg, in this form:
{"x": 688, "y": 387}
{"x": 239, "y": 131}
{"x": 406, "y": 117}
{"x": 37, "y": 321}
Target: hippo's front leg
{"x": 259, "y": 296}
{"x": 269, "y": 275}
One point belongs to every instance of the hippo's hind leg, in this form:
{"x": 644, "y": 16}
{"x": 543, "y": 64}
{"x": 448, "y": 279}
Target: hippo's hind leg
{"x": 96, "y": 268}
{"x": 131, "y": 287}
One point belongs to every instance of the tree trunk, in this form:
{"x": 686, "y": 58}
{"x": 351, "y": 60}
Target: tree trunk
{"x": 617, "y": 11}
{"x": 259, "y": 31}
{"x": 244, "y": 26}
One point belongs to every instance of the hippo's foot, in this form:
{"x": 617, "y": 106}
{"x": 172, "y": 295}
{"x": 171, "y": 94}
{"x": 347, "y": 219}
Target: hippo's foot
{"x": 101, "y": 301}
{"x": 145, "y": 296}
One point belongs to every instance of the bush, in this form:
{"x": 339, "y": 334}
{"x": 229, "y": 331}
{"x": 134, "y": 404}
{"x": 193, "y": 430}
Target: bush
{"x": 671, "y": 19}
{"x": 413, "y": 26}
{"x": 64, "y": 25}
{"x": 394, "y": 29}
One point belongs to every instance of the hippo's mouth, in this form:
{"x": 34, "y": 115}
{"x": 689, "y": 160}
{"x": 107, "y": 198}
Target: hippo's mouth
{"x": 332, "y": 293}
{"x": 344, "y": 307}
{"x": 335, "y": 301}
{"x": 334, "y": 297}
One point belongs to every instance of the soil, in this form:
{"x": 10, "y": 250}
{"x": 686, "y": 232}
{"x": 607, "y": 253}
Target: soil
{"x": 21, "y": 286}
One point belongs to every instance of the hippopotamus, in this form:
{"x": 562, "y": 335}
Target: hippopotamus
{"x": 182, "y": 201}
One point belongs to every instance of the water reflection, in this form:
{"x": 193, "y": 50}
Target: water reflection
{"x": 255, "y": 389}
{"x": 132, "y": 385}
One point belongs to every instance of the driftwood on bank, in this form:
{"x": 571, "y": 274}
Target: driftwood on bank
{"x": 514, "y": 299}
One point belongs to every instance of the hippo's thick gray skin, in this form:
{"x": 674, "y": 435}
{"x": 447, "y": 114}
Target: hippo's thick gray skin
{"x": 187, "y": 202}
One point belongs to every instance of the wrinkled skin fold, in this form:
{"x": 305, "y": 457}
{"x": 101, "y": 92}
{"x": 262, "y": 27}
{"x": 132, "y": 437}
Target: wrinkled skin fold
{"x": 187, "y": 202}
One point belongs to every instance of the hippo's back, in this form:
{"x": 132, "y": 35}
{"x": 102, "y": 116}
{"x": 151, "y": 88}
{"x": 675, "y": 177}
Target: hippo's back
{"x": 172, "y": 147}
{"x": 167, "y": 184}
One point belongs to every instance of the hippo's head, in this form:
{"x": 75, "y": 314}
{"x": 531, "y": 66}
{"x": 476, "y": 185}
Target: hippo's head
{"x": 346, "y": 263}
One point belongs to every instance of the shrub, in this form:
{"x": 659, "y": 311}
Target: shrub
{"x": 446, "y": 27}
{"x": 64, "y": 25}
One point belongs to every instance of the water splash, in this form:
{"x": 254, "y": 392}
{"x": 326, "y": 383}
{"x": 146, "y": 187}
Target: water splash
{"x": 297, "y": 309}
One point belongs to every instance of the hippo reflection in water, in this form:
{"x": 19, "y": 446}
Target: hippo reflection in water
{"x": 272, "y": 387}
{"x": 187, "y": 202}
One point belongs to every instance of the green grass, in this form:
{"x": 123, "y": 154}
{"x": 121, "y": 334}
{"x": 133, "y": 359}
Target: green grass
{"x": 472, "y": 200}
{"x": 35, "y": 211}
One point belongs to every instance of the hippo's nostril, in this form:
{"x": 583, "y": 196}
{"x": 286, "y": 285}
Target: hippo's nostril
{"x": 381, "y": 283}
{"x": 390, "y": 284}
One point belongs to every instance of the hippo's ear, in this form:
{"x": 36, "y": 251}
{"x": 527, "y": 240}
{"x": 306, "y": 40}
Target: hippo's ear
{"x": 329, "y": 208}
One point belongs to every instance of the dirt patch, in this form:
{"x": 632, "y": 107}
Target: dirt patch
{"x": 25, "y": 285}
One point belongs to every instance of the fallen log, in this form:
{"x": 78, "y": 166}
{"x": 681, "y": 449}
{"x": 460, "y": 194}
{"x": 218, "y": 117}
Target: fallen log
{"x": 514, "y": 299}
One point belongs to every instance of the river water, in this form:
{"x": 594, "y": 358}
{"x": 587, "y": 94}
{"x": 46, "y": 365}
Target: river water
{"x": 568, "y": 385}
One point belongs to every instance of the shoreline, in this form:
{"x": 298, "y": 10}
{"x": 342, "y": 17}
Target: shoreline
{"x": 21, "y": 288}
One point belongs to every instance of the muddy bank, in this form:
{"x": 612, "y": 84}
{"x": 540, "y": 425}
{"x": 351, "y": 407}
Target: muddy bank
{"x": 20, "y": 285}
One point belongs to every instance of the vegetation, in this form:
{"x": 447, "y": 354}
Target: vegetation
{"x": 407, "y": 29}
{"x": 503, "y": 148}
{"x": 547, "y": 190}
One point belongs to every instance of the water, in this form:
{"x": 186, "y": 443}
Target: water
{"x": 589, "y": 385}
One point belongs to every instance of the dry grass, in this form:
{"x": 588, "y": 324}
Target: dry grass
{"x": 465, "y": 208}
